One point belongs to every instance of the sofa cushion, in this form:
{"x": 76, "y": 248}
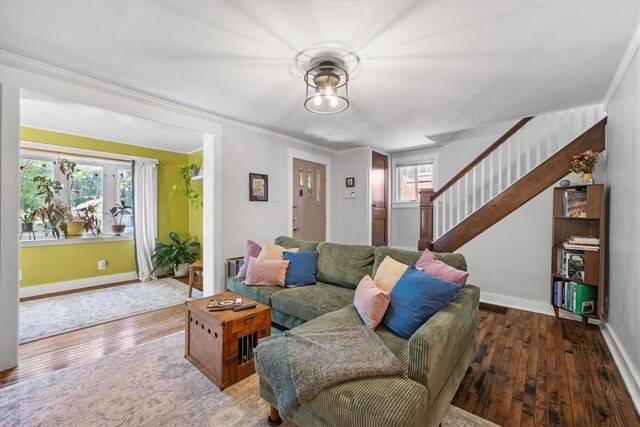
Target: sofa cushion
{"x": 290, "y": 242}
{"x": 371, "y": 302}
{"x": 302, "y": 269}
{"x": 415, "y": 299}
{"x": 388, "y": 274}
{"x": 455, "y": 260}
{"x": 436, "y": 268}
{"x": 344, "y": 265}
{"x": 309, "y": 302}
{"x": 252, "y": 249}
{"x": 266, "y": 272}
{"x": 261, "y": 294}
{"x": 274, "y": 252}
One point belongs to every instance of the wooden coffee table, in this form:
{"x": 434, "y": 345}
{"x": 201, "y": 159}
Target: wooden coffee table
{"x": 220, "y": 343}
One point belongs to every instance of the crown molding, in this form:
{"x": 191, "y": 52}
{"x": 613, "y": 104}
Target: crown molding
{"x": 627, "y": 58}
{"x": 43, "y": 69}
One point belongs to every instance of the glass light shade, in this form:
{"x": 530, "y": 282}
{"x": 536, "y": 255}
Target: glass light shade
{"x": 326, "y": 88}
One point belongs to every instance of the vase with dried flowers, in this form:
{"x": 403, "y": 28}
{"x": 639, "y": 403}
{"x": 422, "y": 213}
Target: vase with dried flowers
{"x": 585, "y": 164}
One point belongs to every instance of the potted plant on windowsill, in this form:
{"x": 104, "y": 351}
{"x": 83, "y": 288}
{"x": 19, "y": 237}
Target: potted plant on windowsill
{"x": 89, "y": 219}
{"x": 117, "y": 213}
{"x": 26, "y": 221}
{"x": 176, "y": 255}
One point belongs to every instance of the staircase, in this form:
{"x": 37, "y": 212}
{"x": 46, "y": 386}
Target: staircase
{"x": 532, "y": 156}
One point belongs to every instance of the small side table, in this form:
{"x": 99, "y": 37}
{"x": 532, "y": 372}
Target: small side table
{"x": 220, "y": 343}
{"x": 195, "y": 275}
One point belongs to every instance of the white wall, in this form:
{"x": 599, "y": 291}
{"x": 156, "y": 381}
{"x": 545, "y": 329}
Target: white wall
{"x": 623, "y": 185}
{"x": 452, "y": 157}
{"x": 510, "y": 261}
{"x": 352, "y": 217}
{"x": 245, "y": 150}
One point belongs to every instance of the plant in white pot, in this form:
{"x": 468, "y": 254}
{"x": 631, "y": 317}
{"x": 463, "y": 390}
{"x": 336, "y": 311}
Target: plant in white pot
{"x": 176, "y": 255}
{"x": 117, "y": 213}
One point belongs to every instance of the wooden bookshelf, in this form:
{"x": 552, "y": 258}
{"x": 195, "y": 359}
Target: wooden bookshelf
{"x": 592, "y": 223}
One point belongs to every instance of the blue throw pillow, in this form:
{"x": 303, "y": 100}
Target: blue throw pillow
{"x": 302, "y": 268}
{"x": 414, "y": 299}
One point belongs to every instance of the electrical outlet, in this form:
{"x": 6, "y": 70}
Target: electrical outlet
{"x": 102, "y": 264}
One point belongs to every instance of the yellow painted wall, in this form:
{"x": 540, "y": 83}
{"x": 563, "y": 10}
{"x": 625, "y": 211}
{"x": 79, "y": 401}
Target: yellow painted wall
{"x": 49, "y": 264}
{"x": 195, "y": 215}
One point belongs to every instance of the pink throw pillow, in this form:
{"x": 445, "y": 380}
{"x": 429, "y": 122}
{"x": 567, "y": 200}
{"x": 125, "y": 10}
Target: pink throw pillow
{"x": 371, "y": 302}
{"x": 266, "y": 272}
{"x": 436, "y": 268}
{"x": 252, "y": 250}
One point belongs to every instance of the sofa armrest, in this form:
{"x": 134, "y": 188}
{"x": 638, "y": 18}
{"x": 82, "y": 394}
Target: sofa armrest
{"x": 435, "y": 348}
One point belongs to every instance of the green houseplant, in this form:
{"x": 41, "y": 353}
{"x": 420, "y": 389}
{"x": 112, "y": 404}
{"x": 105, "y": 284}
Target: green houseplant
{"x": 185, "y": 173}
{"x": 89, "y": 219}
{"x": 176, "y": 255}
{"x": 117, "y": 213}
{"x": 26, "y": 220}
{"x": 54, "y": 213}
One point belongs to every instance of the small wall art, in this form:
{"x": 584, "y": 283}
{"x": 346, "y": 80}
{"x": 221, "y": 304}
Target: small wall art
{"x": 258, "y": 187}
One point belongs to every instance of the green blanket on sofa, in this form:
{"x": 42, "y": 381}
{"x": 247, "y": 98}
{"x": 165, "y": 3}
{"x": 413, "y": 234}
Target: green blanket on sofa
{"x": 298, "y": 366}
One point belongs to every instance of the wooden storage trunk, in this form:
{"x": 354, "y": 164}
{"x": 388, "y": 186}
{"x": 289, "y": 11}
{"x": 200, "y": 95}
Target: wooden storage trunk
{"x": 221, "y": 343}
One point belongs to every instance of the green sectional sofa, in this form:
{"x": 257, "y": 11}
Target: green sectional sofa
{"x": 436, "y": 357}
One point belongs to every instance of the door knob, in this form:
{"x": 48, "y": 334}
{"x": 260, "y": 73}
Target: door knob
{"x": 296, "y": 228}
{"x": 373, "y": 205}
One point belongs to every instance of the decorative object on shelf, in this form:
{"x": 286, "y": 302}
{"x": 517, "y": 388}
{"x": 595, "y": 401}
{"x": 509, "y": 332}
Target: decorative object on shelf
{"x": 351, "y": 182}
{"x": 258, "y": 187}
{"x": 185, "y": 173}
{"x": 326, "y": 82}
{"x": 565, "y": 183}
{"x": 117, "y": 212}
{"x": 176, "y": 255}
{"x": 585, "y": 164}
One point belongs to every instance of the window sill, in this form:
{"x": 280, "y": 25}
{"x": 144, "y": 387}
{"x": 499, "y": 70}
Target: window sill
{"x": 405, "y": 205}
{"x": 76, "y": 240}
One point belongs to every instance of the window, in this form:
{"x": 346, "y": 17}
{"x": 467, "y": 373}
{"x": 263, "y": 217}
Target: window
{"x": 412, "y": 178}
{"x": 95, "y": 182}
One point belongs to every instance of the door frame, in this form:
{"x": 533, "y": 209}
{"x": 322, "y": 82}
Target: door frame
{"x": 309, "y": 157}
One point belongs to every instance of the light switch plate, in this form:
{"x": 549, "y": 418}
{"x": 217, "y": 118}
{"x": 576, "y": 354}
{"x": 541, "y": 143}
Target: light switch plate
{"x": 277, "y": 197}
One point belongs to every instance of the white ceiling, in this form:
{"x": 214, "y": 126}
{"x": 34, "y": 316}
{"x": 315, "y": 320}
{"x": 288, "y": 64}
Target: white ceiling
{"x": 425, "y": 67}
{"x": 42, "y": 112}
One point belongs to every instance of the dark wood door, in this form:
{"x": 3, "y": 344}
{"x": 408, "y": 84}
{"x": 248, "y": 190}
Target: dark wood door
{"x": 379, "y": 202}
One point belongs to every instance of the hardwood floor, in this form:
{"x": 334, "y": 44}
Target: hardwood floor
{"x": 532, "y": 369}
{"x": 529, "y": 369}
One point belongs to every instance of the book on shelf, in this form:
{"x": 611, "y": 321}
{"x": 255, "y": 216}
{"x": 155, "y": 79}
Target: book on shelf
{"x": 575, "y": 297}
{"x": 570, "y": 264}
{"x": 575, "y": 203}
{"x": 587, "y": 240}
{"x": 580, "y": 247}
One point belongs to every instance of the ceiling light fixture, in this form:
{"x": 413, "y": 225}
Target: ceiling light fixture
{"x": 327, "y": 90}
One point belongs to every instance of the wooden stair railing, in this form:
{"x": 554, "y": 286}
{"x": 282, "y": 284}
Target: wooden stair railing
{"x": 428, "y": 195}
{"x": 532, "y": 183}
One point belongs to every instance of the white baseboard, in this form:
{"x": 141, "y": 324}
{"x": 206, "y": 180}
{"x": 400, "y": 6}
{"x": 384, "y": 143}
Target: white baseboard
{"x": 528, "y": 305}
{"x": 629, "y": 373}
{"x": 49, "y": 288}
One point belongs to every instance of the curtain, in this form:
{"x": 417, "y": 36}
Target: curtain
{"x": 145, "y": 216}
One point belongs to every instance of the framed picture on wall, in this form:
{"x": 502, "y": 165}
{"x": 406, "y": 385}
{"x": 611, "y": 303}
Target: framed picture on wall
{"x": 258, "y": 187}
{"x": 351, "y": 182}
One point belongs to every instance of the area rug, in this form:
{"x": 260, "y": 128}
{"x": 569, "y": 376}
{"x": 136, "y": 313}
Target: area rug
{"x": 50, "y": 316}
{"x": 148, "y": 385}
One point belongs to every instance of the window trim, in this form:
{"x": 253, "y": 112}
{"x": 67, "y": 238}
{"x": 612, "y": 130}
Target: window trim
{"x": 397, "y": 162}
{"x": 50, "y": 152}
